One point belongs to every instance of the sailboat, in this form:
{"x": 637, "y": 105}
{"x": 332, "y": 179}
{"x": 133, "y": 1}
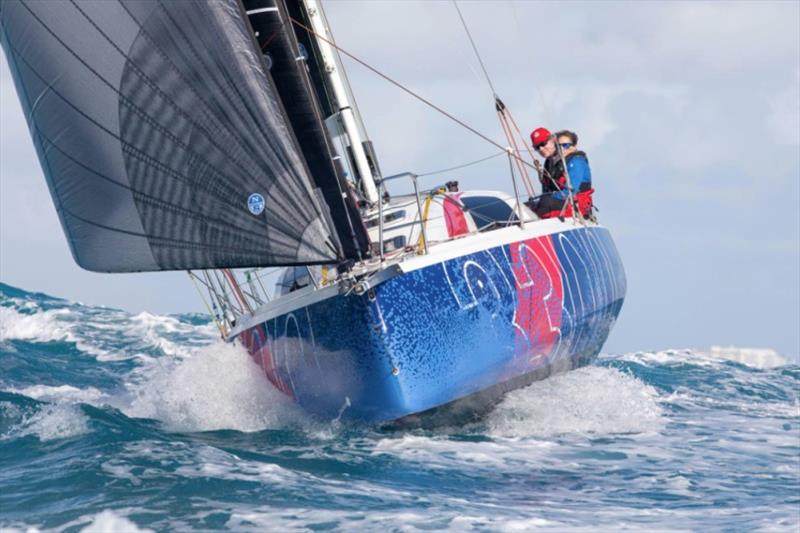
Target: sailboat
{"x": 222, "y": 137}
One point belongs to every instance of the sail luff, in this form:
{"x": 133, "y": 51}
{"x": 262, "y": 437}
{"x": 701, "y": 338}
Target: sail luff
{"x": 307, "y": 120}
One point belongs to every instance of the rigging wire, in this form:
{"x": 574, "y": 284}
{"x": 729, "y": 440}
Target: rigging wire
{"x": 475, "y": 48}
{"x": 219, "y": 324}
{"x": 502, "y": 112}
{"x": 464, "y": 165}
{"x": 407, "y": 90}
{"x": 524, "y": 143}
{"x": 514, "y": 149}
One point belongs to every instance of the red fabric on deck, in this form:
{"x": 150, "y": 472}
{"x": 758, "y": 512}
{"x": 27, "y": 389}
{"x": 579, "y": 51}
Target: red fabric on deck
{"x": 454, "y": 215}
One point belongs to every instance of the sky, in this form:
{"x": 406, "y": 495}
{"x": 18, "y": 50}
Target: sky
{"x": 689, "y": 113}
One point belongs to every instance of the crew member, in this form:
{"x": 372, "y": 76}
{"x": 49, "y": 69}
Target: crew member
{"x": 580, "y": 175}
{"x": 553, "y": 178}
{"x": 545, "y": 144}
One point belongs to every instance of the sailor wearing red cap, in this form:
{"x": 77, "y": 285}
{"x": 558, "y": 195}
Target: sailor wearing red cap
{"x": 553, "y": 177}
{"x": 544, "y": 143}
{"x": 540, "y": 136}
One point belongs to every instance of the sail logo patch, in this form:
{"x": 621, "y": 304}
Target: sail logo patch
{"x": 256, "y": 203}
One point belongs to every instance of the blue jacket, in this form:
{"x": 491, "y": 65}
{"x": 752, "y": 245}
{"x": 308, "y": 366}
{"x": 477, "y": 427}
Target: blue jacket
{"x": 579, "y": 174}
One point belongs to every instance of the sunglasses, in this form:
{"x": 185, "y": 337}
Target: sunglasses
{"x": 565, "y": 146}
{"x": 539, "y": 146}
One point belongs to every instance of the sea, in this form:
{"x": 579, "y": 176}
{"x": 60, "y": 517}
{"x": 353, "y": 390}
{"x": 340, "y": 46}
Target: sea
{"x": 112, "y": 421}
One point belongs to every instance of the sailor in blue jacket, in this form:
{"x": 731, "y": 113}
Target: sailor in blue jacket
{"x": 580, "y": 175}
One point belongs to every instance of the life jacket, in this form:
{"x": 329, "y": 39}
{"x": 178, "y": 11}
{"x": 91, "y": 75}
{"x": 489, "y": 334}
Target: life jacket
{"x": 553, "y": 170}
{"x": 586, "y": 185}
{"x": 583, "y": 201}
{"x": 554, "y": 173}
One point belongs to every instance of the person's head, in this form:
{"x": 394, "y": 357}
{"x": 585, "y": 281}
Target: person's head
{"x": 543, "y": 142}
{"x": 568, "y": 141}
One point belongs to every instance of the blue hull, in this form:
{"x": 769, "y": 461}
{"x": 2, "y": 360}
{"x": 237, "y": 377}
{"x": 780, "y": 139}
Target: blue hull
{"x": 436, "y": 334}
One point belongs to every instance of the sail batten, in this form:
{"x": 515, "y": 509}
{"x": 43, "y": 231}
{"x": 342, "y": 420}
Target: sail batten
{"x": 162, "y": 137}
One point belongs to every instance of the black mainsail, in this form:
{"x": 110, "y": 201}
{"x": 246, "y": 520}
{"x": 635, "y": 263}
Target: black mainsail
{"x": 163, "y": 138}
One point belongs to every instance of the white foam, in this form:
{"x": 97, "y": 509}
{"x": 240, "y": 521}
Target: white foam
{"x": 209, "y": 462}
{"x": 108, "y": 521}
{"x": 692, "y": 398}
{"x": 61, "y": 393}
{"x": 217, "y": 387}
{"x": 100, "y": 332}
{"x": 42, "y": 326}
{"x": 50, "y": 422}
{"x": 151, "y": 321}
{"x": 665, "y": 357}
{"x": 10, "y": 411}
{"x": 593, "y": 400}
{"x": 46, "y": 326}
{"x": 263, "y": 518}
{"x": 154, "y": 329}
{"x": 440, "y": 452}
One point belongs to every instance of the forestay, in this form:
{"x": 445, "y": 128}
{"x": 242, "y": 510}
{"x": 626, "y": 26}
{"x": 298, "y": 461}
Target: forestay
{"x": 162, "y": 137}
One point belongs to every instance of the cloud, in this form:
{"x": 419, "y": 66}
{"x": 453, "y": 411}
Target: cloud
{"x": 783, "y": 118}
{"x": 687, "y": 77}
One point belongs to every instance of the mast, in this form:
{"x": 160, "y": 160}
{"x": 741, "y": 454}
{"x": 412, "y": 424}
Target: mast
{"x": 336, "y": 80}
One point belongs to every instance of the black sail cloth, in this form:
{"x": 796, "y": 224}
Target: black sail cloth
{"x": 162, "y": 138}
{"x": 296, "y": 71}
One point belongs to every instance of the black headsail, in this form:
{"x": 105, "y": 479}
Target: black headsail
{"x": 296, "y": 72}
{"x": 162, "y": 137}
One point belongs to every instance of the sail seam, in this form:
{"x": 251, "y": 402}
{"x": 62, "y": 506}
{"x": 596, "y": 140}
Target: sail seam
{"x": 140, "y": 112}
{"x": 279, "y": 184}
{"x": 135, "y": 152}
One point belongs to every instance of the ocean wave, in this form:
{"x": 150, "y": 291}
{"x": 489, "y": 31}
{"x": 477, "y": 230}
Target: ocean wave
{"x": 46, "y": 422}
{"x": 103, "y": 333}
{"x": 109, "y": 521}
{"x": 216, "y": 387}
{"x": 105, "y": 521}
{"x": 176, "y": 430}
{"x": 42, "y": 326}
{"x": 261, "y": 518}
{"x": 754, "y": 358}
{"x": 62, "y": 394}
{"x": 592, "y": 400}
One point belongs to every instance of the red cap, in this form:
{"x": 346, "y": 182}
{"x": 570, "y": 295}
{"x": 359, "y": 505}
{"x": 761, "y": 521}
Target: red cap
{"x": 539, "y": 136}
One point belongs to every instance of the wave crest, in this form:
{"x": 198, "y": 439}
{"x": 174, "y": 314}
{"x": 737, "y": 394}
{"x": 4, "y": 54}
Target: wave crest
{"x": 217, "y": 387}
{"x": 593, "y": 400}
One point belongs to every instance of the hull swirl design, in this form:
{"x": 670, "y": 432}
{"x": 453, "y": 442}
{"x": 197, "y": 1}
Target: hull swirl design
{"x": 494, "y": 319}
